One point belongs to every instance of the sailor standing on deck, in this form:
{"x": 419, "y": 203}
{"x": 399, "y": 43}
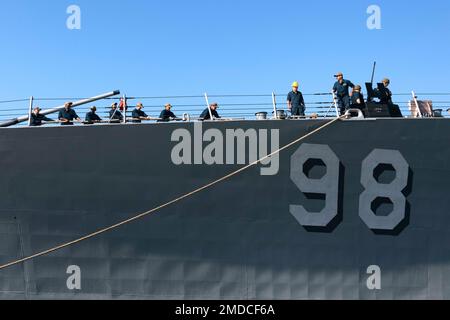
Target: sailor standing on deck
{"x": 387, "y": 97}
{"x": 138, "y": 114}
{"x": 341, "y": 89}
{"x": 358, "y": 99}
{"x": 115, "y": 115}
{"x": 37, "y": 118}
{"x": 207, "y": 116}
{"x": 295, "y": 101}
{"x": 92, "y": 117}
{"x": 167, "y": 115}
{"x": 67, "y": 115}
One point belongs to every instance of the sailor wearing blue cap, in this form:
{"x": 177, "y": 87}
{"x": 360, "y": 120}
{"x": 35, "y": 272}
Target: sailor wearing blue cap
{"x": 342, "y": 90}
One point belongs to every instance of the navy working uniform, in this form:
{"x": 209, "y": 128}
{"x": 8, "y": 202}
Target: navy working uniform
{"x": 166, "y": 115}
{"x": 297, "y": 103}
{"x": 36, "y": 119}
{"x": 206, "y": 116}
{"x": 91, "y": 117}
{"x": 342, "y": 94}
{"x": 386, "y": 94}
{"x": 389, "y": 95}
{"x": 386, "y": 97}
{"x": 115, "y": 114}
{"x": 137, "y": 114}
{"x": 68, "y": 115}
{"x": 358, "y": 101}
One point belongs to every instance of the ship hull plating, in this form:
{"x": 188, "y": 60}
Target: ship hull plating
{"x": 303, "y": 232}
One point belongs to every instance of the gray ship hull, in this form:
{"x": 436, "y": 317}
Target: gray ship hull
{"x": 245, "y": 238}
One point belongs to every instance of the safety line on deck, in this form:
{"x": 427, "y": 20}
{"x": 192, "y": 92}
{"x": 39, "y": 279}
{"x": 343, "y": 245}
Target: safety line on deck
{"x": 140, "y": 216}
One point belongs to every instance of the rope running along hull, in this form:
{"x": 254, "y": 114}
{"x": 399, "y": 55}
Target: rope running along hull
{"x": 263, "y": 234}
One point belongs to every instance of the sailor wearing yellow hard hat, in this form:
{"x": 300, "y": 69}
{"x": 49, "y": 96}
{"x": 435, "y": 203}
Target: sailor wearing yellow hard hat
{"x": 295, "y": 101}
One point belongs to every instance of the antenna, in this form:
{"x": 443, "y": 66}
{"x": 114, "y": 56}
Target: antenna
{"x": 369, "y": 85}
{"x": 373, "y": 71}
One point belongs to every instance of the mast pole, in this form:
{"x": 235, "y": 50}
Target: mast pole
{"x": 124, "y": 108}
{"x": 373, "y": 72}
{"x": 417, "y": 104}
{"x": 274, "y": 102}
{"x": 209, "y": 107}
{"x": 338, "y": 113}
{"x": 30, "y": 110}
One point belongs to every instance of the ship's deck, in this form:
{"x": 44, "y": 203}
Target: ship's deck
{"x": 237, "y": 107}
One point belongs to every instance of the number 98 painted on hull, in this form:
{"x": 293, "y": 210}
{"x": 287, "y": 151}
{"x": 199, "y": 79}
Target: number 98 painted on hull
{"x": 328, "y": 186}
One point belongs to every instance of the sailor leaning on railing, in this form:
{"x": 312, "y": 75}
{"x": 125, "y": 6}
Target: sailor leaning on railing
{"x": 211, "y": 111}
{"x": 167, "y": 114}
{"x": 37, "y": 118}
{"x": 115, "y": 115}
{"x": 68, "y": 115}
{"x": 138, "y": 114}
{"x": 92, "y": 116}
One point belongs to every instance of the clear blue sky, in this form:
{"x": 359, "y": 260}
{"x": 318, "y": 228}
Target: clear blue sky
{"x": 180, "y": 47}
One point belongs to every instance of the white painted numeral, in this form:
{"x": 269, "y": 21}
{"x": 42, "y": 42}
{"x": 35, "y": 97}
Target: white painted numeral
{"x": 392, "y": 191}
{"x": 328, "y": 185}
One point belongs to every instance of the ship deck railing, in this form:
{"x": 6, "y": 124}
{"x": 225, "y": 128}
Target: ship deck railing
{"x": 231, "y": 106}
